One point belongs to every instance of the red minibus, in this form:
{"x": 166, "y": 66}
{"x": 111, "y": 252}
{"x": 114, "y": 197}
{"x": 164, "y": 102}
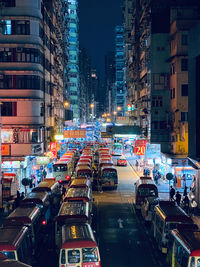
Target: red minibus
{"x": 78, "y": 247}
{"x": 84, "y": 182}
{"x": 144, "y": 187}
{"x": 185, "y": 247}
{"x": 79, "y": 194}
{"x": 84, "y": 171}
{"x": 16, "y": 243}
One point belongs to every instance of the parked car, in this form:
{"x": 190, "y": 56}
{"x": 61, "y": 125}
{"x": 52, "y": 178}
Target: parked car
{"x": 147, "y": 208}
{"x": 121, "y": 162}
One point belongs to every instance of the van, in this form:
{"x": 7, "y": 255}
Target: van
{"x": 144, "y": 187}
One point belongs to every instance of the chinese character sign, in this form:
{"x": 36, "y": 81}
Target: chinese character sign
{"x": 140, "y": 147}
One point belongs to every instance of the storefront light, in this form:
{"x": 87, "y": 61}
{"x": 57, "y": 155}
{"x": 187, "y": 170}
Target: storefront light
{"x": 58, "y": 137}
{"x": 169, "y": 161}
{"x": 158, "y": 161}
{"x": 150, "y": 161}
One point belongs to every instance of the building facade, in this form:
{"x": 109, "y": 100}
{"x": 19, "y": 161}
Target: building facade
{"x": 32, "y": 60}
{"x": 73, "y": 58}
{"x": 120, "y": 91}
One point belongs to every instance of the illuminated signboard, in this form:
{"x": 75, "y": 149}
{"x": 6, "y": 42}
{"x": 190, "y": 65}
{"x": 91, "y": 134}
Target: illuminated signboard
{"x": 42, "y": 160}
{"x": 75, "y": 134}
{"x": 5, "y": 150}
{"x": 140, "y": 147}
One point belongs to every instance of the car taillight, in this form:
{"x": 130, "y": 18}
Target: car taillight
{"x": 147, "y": 214}
{"x": 44, "y": 222}
{"x": 60, "y": 181}
{"x": 67, "y": 177}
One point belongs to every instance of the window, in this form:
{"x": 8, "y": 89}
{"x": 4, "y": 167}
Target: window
{"x": 5, "y": 27}
{"x": 173, "y": 93}
{"x": 173, "y": 68}
{"x": 184, "y": 64}
{"x": 7, "y": 3}
{"x": 184, "y": 116}
{"x": 157, "y": 101}
{"x": 184, "y": 39}
{"x": 21, "y": 82}
{"x": 184, "y": 90}
{"x": 8, "y": 27}
{"x": 9, "y": 109}
{"x": 7, "y": 136}
{"x": 73, "y": 256}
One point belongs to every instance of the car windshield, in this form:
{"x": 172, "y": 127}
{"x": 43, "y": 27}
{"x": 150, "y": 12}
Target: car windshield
{"x": 90, "y": 254}
{"x": 9, "y": 254}
{"x": 60, "y": 168}
{"x": 109, "y": 174}
{"x": 198, "y": 262}
{"x": 73, "y": 256}
{"x": 147, "y": 192}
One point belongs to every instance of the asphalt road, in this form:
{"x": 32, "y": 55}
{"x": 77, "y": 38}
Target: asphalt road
{"x": 123, "y": 238}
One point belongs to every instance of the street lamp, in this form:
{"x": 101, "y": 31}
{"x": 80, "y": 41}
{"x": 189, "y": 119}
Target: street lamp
{"x": 119, "y": 108}
{"x": 92, "y": 108}
{"x": 66, "y": 104}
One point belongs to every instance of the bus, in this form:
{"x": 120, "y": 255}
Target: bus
{"x": 28, "y": 215}
{"x": 117, "y": 149}
{"x": 62, "y": 170}
{"x": 186, "y": 247}
{"x": 16, "y": 243}
{"x": 108, "y": 177}
{"x": 166, "y": 218}
{"x": 5, "y": 262}
{"x": 144, "y": 187}
{"x": 71, "y": 212}
{"x": 78, "y": 246}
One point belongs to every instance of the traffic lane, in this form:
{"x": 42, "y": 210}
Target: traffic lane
{"x": 123, "y": 240}
{"x": 127, "y": 178}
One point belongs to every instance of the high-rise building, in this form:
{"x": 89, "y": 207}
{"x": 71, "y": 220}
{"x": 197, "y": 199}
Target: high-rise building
{"x": 73, "y": 58}
{"x": 120, "y": 91}
{"x": 85, "y": 84}
{"x": 106, "y": 99}
{"x": 32, "y": 62}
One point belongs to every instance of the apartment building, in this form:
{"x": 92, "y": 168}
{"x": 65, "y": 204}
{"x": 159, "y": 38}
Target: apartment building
{"x": 32, "y": 59}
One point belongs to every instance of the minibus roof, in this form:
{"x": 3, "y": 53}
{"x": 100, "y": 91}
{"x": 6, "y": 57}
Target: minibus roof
{"x": 12, "y": 263}
{"x": 108, "y": 168}
{"x": 26, "y": 214}
{"x": 47, "y": 185}
{"x": 145, "y": 182}
{"x": 73, "y": 211}
{"x": 11, "y": 237}
{"x": 170, "y": 212}
{"x": 36, "y": 197}
{"x": 83, "y": 167}
{"x": 78, "y": 193}
{"x": 77, "y": 236}
{"x": 84, "y": 182}
{"x": 190, "y": 239}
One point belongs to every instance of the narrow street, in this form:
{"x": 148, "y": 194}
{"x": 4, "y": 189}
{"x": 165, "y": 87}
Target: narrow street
{"x": 122, "y": 235}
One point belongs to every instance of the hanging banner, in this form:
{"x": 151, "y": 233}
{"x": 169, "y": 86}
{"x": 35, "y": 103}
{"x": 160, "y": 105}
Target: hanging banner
{"x": 75, "y": 134}
{"x": 140, "y": 147}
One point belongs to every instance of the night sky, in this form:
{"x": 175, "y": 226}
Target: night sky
{"x": 98, "y": 19}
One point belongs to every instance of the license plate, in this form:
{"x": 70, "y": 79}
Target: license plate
{"x": 107, "y": 183}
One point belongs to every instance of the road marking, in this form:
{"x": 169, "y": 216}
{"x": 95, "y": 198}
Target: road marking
{"x": 120, "y": 221}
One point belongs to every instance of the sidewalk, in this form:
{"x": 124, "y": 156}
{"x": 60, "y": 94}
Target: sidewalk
{"x": 163, "y": 184}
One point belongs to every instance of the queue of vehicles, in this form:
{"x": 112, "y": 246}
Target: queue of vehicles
{"x": 176, "y": 234}
{"x": 23, "y": 231}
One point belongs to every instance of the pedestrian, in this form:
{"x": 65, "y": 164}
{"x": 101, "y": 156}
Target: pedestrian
{"x": 175, "y": 180}
{"x": 193, "y": 206}
{"x": 44, "y": 174}
{"x": 185, "y": 191}
{"x": 22, "y": 196}
{"x": 172, "y": 193}
{"x": 178, "y": 198}
{"x": 136, "y": 164}
{"x": 186, "y": 203}
{"x": 184, "y": 180}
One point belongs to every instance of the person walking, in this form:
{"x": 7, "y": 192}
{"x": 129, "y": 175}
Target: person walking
{"x": 185, "y": 191}
{"x": 193, "y": 206}
{"x": 172, "y": 193}
{"x": 178, "y": 198}
{"x": 186, "y": 203}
